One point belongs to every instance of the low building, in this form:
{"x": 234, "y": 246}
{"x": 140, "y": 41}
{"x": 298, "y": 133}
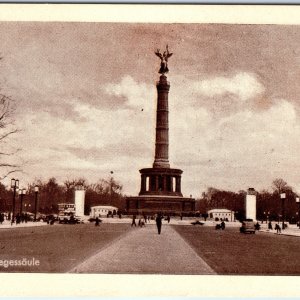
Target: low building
{"x": 221, "y": 213}
{"x": 103, "y": 211}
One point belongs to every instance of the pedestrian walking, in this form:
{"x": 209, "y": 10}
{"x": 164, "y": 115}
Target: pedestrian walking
{"x": 141, "y": 222}
{"x": 270, "y": 227}
{"x": 133, "y": 221}
{"x": 97, "y": 222}
{"x": 277, "y": 228}
{"x": 257, "y": 226}
{"x": 168, "y": 219}
{"x": 158, "y": 223}
{"x": 18, "y": 219}
{"x": 222, "y": 225}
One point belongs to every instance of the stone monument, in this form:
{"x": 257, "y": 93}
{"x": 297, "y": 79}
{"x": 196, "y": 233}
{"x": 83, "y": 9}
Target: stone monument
{"x": 251, "y": 204}
{"x": 79, "y": 200}
{"x": 160, "y": 190}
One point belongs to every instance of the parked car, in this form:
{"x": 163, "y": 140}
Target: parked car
{"x": 247, "y": 226}
{"x": 67, "y": 218}
{"x": 197, "y": 223}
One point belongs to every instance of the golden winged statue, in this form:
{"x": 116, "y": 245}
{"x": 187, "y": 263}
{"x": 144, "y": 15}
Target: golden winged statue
{"x": 164, "y": 60}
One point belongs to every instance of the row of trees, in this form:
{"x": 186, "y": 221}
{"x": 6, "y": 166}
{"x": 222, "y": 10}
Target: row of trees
{"x": 103, "y": 192}
{"x": 269, "y": 204}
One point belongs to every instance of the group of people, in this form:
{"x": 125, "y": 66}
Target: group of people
{"x": 19, "y": 218}
{"x": 143, "y": 220}
{"x": 221, "y": 225}
{"x": 277, "y": 227}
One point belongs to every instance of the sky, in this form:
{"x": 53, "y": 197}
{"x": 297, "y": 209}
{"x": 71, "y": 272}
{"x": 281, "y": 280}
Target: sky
{"x": 85, "y": 99}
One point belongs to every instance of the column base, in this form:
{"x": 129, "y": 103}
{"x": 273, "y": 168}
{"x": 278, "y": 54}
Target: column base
{"x": 161, "y": 164}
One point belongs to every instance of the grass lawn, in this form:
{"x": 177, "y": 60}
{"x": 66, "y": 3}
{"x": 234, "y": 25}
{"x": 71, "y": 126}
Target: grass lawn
{"x": 231, "y": 252}
{"x": 58, "y": 248}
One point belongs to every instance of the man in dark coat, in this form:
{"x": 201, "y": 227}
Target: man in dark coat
{"x": 133, "y": 221}
{"x": 158, "y": 223}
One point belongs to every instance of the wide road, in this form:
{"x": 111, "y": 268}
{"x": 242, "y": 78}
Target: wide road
{"x": 232, "y": 252}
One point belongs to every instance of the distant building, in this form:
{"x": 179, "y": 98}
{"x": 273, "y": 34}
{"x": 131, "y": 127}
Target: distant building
{"x": 221, "y": 213}
{"x": 103, "y": 211}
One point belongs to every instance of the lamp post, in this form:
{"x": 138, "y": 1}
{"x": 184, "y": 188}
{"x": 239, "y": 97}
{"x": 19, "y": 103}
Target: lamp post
{"x": 298, "y": 202}
{"x": 282, "y": 196}
{"x": 36, "y": 191}
{"x": 235, "y": 215}
{"x": 14, "y": 186}
{"x": 22, "y": 192}
{"x": 111, "y": 186}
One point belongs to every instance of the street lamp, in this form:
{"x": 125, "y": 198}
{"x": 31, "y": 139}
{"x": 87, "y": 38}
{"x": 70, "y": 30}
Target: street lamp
{"x": 14, "y": 185}
{"x": 268, "y": 215}
{"x": 111, "y": 188}
{"x": 283, "y": 196}
{"x": 298, "y": 202}
{"x": 235, "y": 215}
{"x": 36, "y": 191}
{"x": 22, "y": 192}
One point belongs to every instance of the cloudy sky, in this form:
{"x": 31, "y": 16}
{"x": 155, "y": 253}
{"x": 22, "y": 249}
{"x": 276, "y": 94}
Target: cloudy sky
{"x": 86, "y": 100}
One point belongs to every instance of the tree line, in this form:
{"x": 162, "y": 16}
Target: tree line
{"x": 51, "y": 193}
{"x": 269, "y": 204}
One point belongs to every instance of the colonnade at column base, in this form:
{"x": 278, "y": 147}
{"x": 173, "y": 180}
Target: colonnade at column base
{"x": 161, "y": 181}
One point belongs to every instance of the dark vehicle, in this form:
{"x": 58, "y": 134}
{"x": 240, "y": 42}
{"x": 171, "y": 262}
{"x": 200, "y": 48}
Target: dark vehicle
{"x": 68, "y": 218}
{"x": 247, "y": 226}
{"x": 197, "y": 223}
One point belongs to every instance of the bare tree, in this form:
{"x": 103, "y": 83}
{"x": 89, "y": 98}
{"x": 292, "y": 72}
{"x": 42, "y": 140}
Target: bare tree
{"x": 7, "y": 130}
{"x": 279, "y": 185}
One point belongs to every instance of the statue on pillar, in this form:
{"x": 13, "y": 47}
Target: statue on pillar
{"x": 164, "y": 60}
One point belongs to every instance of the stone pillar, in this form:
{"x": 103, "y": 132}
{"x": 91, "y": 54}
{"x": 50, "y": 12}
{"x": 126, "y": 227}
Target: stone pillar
{"x": 79, "y": 201}
{"x": 251, "y": 204}
{"x": 143, "y": 183}
{"x": 165, "y": 183}
{"x": 170, "y": 178}
{"x": 156, "y": 183}
{"x": 178, "y": 186}
{"x": 161, "y": 159}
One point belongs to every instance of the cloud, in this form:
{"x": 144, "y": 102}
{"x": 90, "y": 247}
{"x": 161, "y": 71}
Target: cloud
{"x": 243, "y": 85}
{"x": 250, "y": 148}
{"x": 137, "y": 95}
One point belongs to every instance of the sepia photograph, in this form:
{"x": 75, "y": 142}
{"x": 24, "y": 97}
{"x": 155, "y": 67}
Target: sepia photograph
{"x": 149, "y": 148}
